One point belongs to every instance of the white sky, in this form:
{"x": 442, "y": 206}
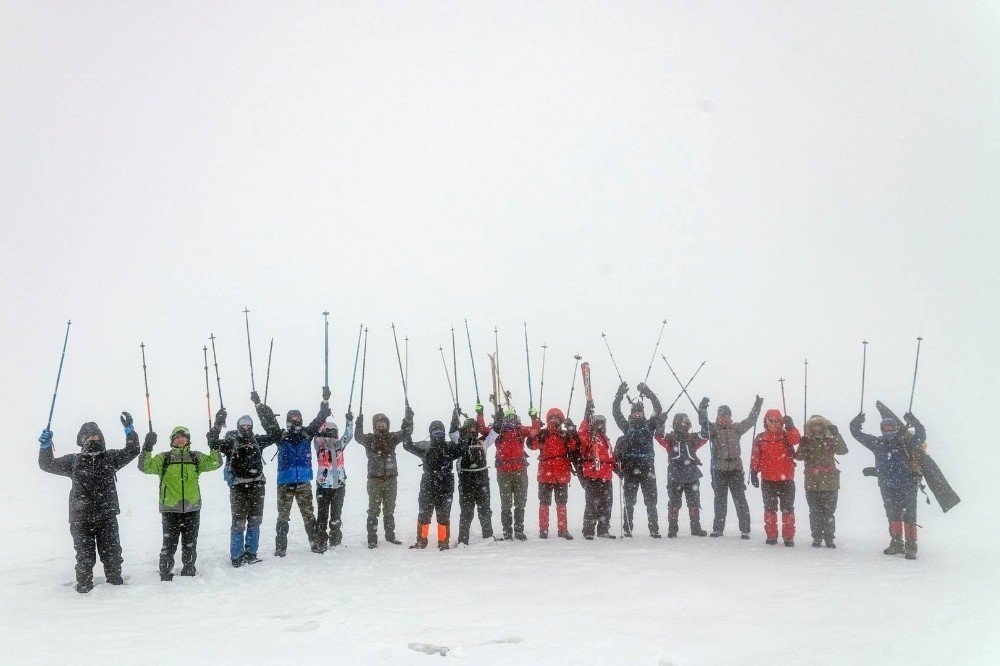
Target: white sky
{"x": 778, "y": 181}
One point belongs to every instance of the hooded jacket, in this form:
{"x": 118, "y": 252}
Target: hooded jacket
{"x": 726, "y": 453}
{"x": 437, "y": 458}
{"x": 381, "y": 446}
{"x": 236, "y": 445}
{"x": 295, "y": 450}
{"x": 634, "y": 450}
{"x": 330, "y": 457}
{"x": 555, "y": 449}
{"x": 595, "y": 452}
{"x": 94, "y": 493}
{"x": 819, "y": 456}
{"x": 895, "y": 455}
{"x": 179, "y": 470}
{"x": 511, "y": 456}
{"x": 474, "y": 446}
{"x": 682, "y": 454}
{"x": 773, "y": 454}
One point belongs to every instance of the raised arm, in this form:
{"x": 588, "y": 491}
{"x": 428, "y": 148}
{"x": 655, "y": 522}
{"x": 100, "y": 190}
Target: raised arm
{"x": 657, "y": 407}
{"x": 419, "y": 449}
{"x": 359, "y": 431}
{"x": 919, "y": 432}
{"x": 348, "y": 431}
{"x": 616, "y": 408}
{"x": 269, "y": 422}
{"x": 867, "y": 441}
{"x": 324, "y": 411}
{"x": 751, "y": 419}
{"x": 47, "y": 462}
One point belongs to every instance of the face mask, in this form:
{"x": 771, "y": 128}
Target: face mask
{"x": 437, "y": 436}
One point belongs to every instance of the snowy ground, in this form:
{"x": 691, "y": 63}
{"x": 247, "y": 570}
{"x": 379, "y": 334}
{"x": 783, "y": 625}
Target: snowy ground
{"x": 684, "y": 601}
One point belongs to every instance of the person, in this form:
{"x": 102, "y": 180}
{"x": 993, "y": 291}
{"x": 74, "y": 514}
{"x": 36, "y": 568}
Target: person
{"x": 180, "y": 496}
{"x": 818, "y": 450}
{"x": 93, "y": 497}
{"x": 897, "y": 467}
{"x": 556, "y": 447}
{"x": 635, "y": 458}
{"x": 512, "y": 465}
{"x": 295, "y": 474}
{"x": 473, "y": 477}
{"x": 380, "y": 447}
{"x": 244, "y": 473}
{"x": 331, "y": 479}
{"x": 727, "y": 463}
{"x": 682, "y": 473}
{"x": 437, "y": 483}
{"x": 773, "y": 458}
{"x": 596, "y": 469}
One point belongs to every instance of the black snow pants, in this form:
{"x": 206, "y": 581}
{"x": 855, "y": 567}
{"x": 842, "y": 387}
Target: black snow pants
{"x": 473, "y": 495}
{"x": 381, "y": 499}
{"x": 181, "y": 527}
{"x": 92, "y": 538}
{"x": 597, "y": 511}
{"x": 329, "y": 507}
{"x": 436, "y": 494}
{"x": 645, "y": 478}
{"x": 513, "y": 496}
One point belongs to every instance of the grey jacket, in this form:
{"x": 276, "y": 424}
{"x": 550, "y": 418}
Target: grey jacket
{"x": 725, "y": 441}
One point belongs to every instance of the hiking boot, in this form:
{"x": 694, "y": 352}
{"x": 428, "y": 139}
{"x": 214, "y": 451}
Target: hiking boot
{"x": 566, "y": 535}
{"x": 910, "y": 550}
{"x": 251, "y": 558}
{"x": 188, "y": 571}
{"x": 771, "y": 542}
{"x": 543, "y": 535}
{"x": 830, "y": 543}
{"x": 789, "y": 542}
{"x": 628, "y": 535}
{"x": 84, "y": 586}
{"x": 588, "y": 537}
{"x": 520, "y": 536}
{"x": 745, "y": 536}
{"x": 114, "y": 579}
{"x": 672, "y": 530}
{"x": 443, "y": 545}
{"x": 391, "y": 538}
{"x": 817, "y": 543}
{"x": 165, "y": 577}
{"x": 715, "y": 534}
{"x": 420, "y": 543}
{"x": 318, "y": 549}
{"x": 279, "y": 552}
{"x": 606, "y": 535}
{"x": 895, "y": 546}
{"x": 696, "y": 530}
{"x": 237, "y": 562}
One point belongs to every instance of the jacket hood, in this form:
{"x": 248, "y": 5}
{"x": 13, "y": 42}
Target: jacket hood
{"x": 815, "y": 420}
{"x": 435, "y": 426}
{"x": 772, "y": 414}
{"x": 724, "y": 410}
{"x": 330, "y": 427}
{"x": 555, "y": 412}
{"x": 380, "y": 417}
{"x": 89, "y": 429}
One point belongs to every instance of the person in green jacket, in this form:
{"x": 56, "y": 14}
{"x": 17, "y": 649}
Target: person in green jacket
{"x": 818, "y": 449}
{"x": 180, "y": 496}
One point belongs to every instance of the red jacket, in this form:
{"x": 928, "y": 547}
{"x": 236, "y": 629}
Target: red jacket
{"x": 554, "y": 449}
{"x": 511, "y": 456}
{"x": 773, "y": 452}
{"x": 595, "y": 450}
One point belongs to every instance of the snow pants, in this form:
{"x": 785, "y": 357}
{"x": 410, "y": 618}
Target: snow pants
{"x": 92, "y": 538}
{"x": 301, "y": 494}
{"x": 632, "y": 480}
{"x": 777, "y": 493}
{"x": 726, "y": 483}
{"x": 246, "y": 501}
{"x": 436, "y": 495}
{"x": 381, "y": 500}
{"x": 822, "y": 506}
{"x": 513, "y": 495}
{"x": 545, "y": 493}
{"x": 900, "y": 504}
{"x": 329, "y": 508}
{"x": 181, "y": 527}
{"x": 473, "y": 494}
{"x": 690, "y": 492}
{"x": 597, "y": 511}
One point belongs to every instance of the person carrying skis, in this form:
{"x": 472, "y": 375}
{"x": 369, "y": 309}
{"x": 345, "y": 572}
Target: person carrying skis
{"x": 635, "y": 457}
{"x": 773, "y": 458}
{"x": 817, "y": 449}
{"x": 898, "y": 470}
{"x": 380, "y": 446}
{"x": 597, "y": 467}
{"x": 93, "y": 497}
{"x": 511, "y": 464}
{"x": 473, "y": 477}
{"x": 180, "y": 496}
{"x": 331, "y": 479}
{"x": 727, "y": 463}
{"x": 683, "y": 473}
{"x": 295, "y": 475}
{"x": 244, "y": 472}
{"x": 437, "y": 483}
{"x": 556, "y": 447}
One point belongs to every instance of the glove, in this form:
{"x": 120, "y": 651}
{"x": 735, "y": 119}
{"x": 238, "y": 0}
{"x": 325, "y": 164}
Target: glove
{"x": 859, "y": 419}
{"x": 703, "y": 405}
{"x": 833, "y": 430}
{"x": 358, "y": 421}
{"x": 642, "y": 389}
{"x": 533, "y": 413}
{"x": 220, "y": 418}
{"x": 45, "y": 439}
{"x": 150, "y": 441}
{"x": 349, "y": 416}
{"x": 622, "y": 389}
{"x": 570, "y": 426}
{"x": 326, "y": 393}
{"x": 126, "y": 420}
{"x": 755, "y": 479}
{"x": 909, "y": 418}
{"x": 869, "y": 471}
{"x": 479, "y": 408}
{"x": 758, "y": 401}
{"x": 590, "y": 405}
{"x": 789, "y": 424}
{"x": 254, "y": 398}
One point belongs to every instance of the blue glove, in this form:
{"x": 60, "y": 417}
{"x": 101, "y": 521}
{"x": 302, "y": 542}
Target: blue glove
{"x": 126, "y": 420}
{"x": 45, "y": 439}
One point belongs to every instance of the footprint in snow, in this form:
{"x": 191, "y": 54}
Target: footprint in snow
{"x": 311, "y": 625}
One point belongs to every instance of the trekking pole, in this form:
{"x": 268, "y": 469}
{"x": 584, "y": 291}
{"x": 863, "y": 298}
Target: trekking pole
{"x": 541, "y": 389}
{"x": 864, "y": 362}
{"x": 805, "y": 394}
{"x": 215, "y": 360}
{"x": 615, "y": 363}
{"x": 655, "y": 349}
{"x": 527, "y": 357}
{"x": 406, "y": 362}
{"x": 364, "y": 359}
{"x": 354, "y": 373}
{"x": 326, "y": 350}
{"x": 145, "y": 381}
{"x": 572, "y": 386}
{"x": 472, "y": 359}
{"x": 451, "y": 391}
{"x": 52, "y": 407}
{"x": 246, "y": 315}
{"x": 784, "y": 408}
{"x": 683, "y": 387}
{"x": 916, "y": 362}
{"x": 267, "y": 378}
{"x": 208, "y": 391}
{"x": 399, "y": 360}
{"x": 454, "y": 363}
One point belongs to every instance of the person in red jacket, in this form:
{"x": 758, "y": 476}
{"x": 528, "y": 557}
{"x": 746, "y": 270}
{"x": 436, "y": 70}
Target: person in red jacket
{"x": 555, "y": 446}
{"x": 512, "y": 466}
{"x": 596, "y": 471}
{"x": 773, "y": 458}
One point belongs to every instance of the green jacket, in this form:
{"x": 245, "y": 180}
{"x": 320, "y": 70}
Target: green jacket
{"x": 178, "y": 470}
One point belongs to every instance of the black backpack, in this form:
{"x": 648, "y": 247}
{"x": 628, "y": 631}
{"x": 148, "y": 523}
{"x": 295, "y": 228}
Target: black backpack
{"x": 245, "y": 461}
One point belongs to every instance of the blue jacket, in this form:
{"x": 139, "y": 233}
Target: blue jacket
{"x": 295, "y": 451}
{"x": 892, "y": 455}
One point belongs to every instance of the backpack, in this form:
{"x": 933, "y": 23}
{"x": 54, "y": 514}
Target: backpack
{"x": 245, "y": 461}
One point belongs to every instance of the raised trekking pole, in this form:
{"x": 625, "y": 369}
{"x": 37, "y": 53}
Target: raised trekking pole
{"x": 527, "y": 358}
{"x": 145, "y": 381}
{"x": 678, "y": 379}
{"x": 406, "y": 362}
{"x": 472, "y": 359}
{"x": 52, "y": 407}
{"x": 454, "y": 363}
{"x": 364, "y": 359}
{"x": 451, "y": 390}
{"x": 215, "y": 360}
{"x": 684, "y": 389}
{"x": 916, "y": 362}
{"x": 354, "y": 373}
{"x": 864, "y": 362}
{"x": 208, "y": 391}
{"x": 246, "y": 315}
{"x": 267, "y": 377}
{"x": 615, "y": 363}
{"x": 541, "y": 389}
{"x": 399, "y": 359}
{"x": 326, "y": 349}
{"x": 784, "y": 408}
{"x": 805, "y": 394}
{"x": 572, "y": 386}
{"x": 655, "y": 349}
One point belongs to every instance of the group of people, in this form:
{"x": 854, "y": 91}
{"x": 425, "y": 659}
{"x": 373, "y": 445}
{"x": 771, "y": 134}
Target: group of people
{"x": 564, "y": 451}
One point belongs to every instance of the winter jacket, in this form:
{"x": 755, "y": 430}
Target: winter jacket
{"x": 94, "y": 493}
{"x": 438, "y": 460}
{"x": 555, "y": 450}
{"x": 178, "y": 470}
{"x": 381, "y": 447}
{"x": 295, "y": 450}
{"x": 246, "y": 451}
{"x": 681, "y": 452}
{"x": 595, "y": 453}
{"x": 474, "y": 447}
{"x": 818, "y": 455}
{"x": 726, "y": 454}
{"x": 511, "y": 456}
{"x": 773, "y": 455}
{"x": 895, "y": 457}
{"x": 330, "y": 458}
{"x": 634, "y": 450}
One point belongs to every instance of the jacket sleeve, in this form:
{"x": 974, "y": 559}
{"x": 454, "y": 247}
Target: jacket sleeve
{"x": 209, "y": 462}
{"x": 359, "y": 433}
{"x": 484, "y": 430}
{"x": 793, "y": 437}
{"x": 61, "y": 466}
{"x": 866, "y": 440}
{"x": 755, "y": 453}
{"x": 419, "y": 449}
{"x": 657, "y": 407}
{"x": 534, "y": 440}
{"x": 697, "y": 441}
{"x": 804, "y": 445}
{"x": 663, "y": 441}
{"x": 150, "y": 464}
{"x": 122, "y": 457}
{"x": 616, "y": 412}
{"x": 348, "y": 435}
{"x": 317, "y": 423}
{"x": 839, "y": 445}
{"x": 272, "y": 431}
{"x": 748, "y": 422}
